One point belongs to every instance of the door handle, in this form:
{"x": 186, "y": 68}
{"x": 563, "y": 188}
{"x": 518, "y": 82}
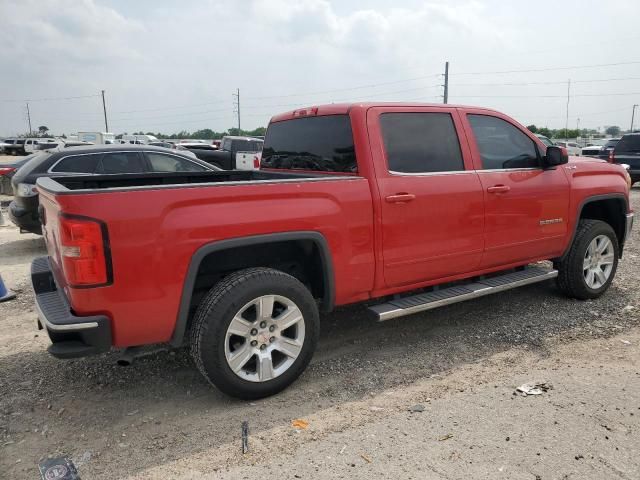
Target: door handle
{"x": 499, "y": 189}
{"x": 400, "y": 198}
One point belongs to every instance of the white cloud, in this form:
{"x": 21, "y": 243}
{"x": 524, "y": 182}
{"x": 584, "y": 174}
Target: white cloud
{"x": 153, "y": 57}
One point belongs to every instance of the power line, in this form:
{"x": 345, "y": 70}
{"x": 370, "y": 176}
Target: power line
{"x": 49, "y": 99}
{"x": 350, "y": 99}
{"x": 174, "y": 107}
{"x": 172, "y": 115}
{"x": 573, "y": 67}
{"x": 552, "y": 96}
{"x": 561, "y": 82}
{"x": 359, "y": 87}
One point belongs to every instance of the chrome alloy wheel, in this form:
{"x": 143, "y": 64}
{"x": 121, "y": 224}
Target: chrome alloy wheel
{"x": 264, "y": 338}
{"x": 598, "y": 262}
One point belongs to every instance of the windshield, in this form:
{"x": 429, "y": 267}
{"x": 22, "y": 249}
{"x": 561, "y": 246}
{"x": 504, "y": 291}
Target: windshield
{"x": 611, "y": 143}
{"x": 322, "y": 143}
{"x": 628, "y": 143}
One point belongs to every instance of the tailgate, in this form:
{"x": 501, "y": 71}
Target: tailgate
{"x": 49, "y": 211}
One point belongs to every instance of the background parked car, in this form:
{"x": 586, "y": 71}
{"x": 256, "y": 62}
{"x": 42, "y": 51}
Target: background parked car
{"x": 234, "y": 153}
{"x": 591, "y": 150}
{"x": 7, "y": 171}
{"x": 547, "y": 141}
{"x": 15, "y": 146}
{"x": 33, "y": 144}
{"x": 95, "y": 159}
{"x": 572, "y": 147}
{"x": 161, "y": 144}
{"x": 608, "y": 148}
{"x": 3, "y": 144}
{"x": 627, "y": 151}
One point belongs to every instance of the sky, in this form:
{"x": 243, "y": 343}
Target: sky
{"x": 171, "y": 66}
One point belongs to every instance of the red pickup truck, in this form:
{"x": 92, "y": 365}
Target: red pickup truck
{"x": 413, "y": 206}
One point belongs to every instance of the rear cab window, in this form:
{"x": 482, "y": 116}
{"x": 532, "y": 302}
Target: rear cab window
{"x": 628, "y": 143}
{"x": 316, "y": 143}
{"x": 421, "y": 142}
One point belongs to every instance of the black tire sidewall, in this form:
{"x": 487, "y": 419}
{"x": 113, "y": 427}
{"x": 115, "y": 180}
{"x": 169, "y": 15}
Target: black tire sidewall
{"x": 219, "y": 314}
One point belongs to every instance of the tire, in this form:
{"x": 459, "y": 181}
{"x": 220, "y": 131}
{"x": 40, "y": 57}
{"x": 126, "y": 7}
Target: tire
{"x": 235, "y": 297}
{"x": 572, "y": 276}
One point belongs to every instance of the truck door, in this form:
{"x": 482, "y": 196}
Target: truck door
{"x": 431, "y": 203}
{"x": 526, "y": 207}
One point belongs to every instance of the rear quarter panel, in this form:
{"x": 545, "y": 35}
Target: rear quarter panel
{"x": 153, "y": 234}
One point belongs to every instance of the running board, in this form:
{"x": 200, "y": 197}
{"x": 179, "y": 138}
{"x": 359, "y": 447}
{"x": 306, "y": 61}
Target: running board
{"x": 460, "y": 293}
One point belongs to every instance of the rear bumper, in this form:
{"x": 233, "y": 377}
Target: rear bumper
{"x": 25, "y": 218}
{"x": 71, "y": 336}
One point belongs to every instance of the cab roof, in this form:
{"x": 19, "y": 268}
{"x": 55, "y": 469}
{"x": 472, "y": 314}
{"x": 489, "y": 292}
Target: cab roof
{"x": 345, "y": 108}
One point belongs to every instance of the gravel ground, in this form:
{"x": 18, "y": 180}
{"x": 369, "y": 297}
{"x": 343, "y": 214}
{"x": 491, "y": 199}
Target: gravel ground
{"x": 159, "y": 416}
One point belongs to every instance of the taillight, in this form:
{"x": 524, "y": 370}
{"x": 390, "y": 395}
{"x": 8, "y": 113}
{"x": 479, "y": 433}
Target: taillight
{"x": 256, "y": 162}
{"x": 83, "y": 248}
{"x": 612, "y": 157}
{"x": 6, "y": 170}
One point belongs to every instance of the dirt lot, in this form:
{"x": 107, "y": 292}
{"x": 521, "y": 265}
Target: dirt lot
{"x": 460, "y": 364}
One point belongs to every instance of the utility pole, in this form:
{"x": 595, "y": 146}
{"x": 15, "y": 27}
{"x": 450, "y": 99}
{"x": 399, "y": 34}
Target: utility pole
{"x": 633, "y": 114}
{"x": 446, "y": 82}
{"x": 236, "y": 105}
{"x": 566, "y": 123}
{"x": 577, "y": 128}
{"x": 104, "y": 109}
{"x": 29, "y": 119}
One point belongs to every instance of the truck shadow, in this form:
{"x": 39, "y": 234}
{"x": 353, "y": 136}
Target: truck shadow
{"x": 160, "y": 409}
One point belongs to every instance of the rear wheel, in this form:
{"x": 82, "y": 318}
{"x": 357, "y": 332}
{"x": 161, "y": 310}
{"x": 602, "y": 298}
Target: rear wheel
{"x": 255, "y": 332}
{"x": 589, "y": 267}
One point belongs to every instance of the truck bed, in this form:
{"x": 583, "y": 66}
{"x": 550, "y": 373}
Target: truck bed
{"x": 101, "y": 182}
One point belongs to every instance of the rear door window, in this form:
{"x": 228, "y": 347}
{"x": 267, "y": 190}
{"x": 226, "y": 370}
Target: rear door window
{"x": 629, "y": 143}
{"x": 78, "y": 164}
{"x": 170, "y": 163}
{"x": 421, "y": 142}
{"x": 323, "y": 144}
{"x": 502, "y": 145}
{"x": 121, "y": 162}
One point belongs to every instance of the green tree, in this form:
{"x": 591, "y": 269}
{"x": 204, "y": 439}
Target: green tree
{"x": 545, "y": 131}
{"x": 613, "y": 130}
{"x": 532, "y": 128}
{"x": 258, "y": 132}
{"x": 43, "y": 129}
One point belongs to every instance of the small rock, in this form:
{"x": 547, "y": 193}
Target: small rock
{"x": 61, "y": 411}
{"x": 417, "y": 408}
{"x": 86, "y": 456}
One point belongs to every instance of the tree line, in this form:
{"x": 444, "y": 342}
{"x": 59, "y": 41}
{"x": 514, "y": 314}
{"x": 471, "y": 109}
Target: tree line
{"x": 206, "y": 133}
{"x": 613, "y": 130}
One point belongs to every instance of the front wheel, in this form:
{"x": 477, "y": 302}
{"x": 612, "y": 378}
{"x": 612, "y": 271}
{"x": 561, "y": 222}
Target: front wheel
{"x": 255, "y": 332}
{"x": 588, "y": 269}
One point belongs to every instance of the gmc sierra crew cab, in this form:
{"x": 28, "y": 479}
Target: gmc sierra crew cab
{"x": 405, "y": 206}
